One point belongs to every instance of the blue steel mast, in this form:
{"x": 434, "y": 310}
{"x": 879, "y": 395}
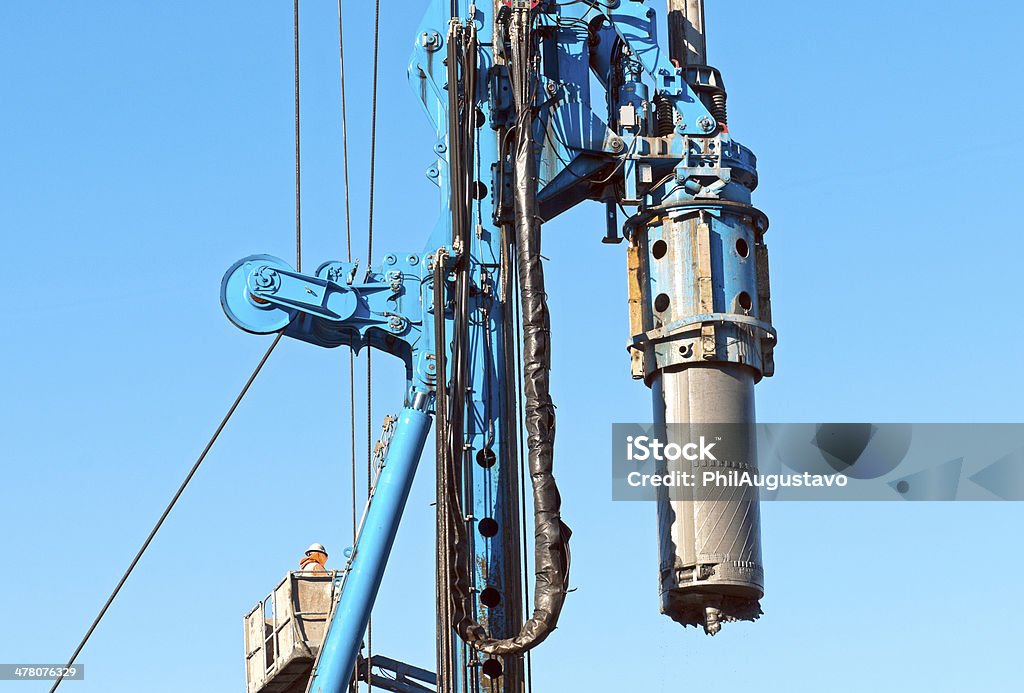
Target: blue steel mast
{"x": 538, "y": 106}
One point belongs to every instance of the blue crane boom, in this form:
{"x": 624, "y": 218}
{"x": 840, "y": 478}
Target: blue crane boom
{"x": 538, "y": 106}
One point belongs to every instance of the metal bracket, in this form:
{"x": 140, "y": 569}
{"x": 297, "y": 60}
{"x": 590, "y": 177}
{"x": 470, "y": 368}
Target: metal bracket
{"x": 404, "y": 678}
{"x": 262, "y": 294}
{"x": 578, "y": 145}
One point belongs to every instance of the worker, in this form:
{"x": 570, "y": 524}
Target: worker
{"x": 315, "y": 560}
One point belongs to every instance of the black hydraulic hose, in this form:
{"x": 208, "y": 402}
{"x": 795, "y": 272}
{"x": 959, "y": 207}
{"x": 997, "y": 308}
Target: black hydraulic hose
{"x": 551, "y": 536}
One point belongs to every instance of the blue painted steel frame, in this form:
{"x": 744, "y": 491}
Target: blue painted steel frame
{"x": 582, "y": 153}
{"x": 492, "y": 491}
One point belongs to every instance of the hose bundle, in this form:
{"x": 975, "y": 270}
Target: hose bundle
{"x": 551, "y": 551}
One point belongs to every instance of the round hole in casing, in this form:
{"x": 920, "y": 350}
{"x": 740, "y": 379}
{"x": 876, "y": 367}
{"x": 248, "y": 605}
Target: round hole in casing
{"x": 744, "y": 300}
{"x": 659, "y": 249}
{"x": 742, "y": 248}
{"x": 661, "y": 303}
{"x": 488, "y": 527}
{"x": 486, "y": 458}
{"x": 492, "y": 668}
{"x": 490, "y": 597}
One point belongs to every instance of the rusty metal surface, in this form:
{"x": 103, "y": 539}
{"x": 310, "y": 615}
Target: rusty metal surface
{"x": 637, "y": 321}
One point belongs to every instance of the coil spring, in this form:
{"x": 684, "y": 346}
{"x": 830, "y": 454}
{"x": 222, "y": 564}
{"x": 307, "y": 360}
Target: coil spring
{"x": 718, "y": 107}
{"x": 664, "y": 116}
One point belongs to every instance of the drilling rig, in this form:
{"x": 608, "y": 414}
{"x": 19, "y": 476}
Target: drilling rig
{"x": 537, "y": 107}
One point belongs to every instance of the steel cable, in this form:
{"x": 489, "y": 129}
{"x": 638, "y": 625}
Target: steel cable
{"x": 170, "y": 506}
{"x": 348, "y": 256}
{"x": 298, "y": 156}
{"x": 369, "y": 264}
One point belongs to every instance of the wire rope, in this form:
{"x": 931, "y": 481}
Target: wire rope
{"x": 348, "y": 256}
{"x": 369, "y": 261}
{"x": 167, "y": 509}
{"x": 298, "y": 142}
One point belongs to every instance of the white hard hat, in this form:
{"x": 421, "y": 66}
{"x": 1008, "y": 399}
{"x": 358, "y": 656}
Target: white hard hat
{"x": 316, "y": 547}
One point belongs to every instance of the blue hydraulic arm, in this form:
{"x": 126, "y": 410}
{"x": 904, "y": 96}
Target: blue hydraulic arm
{"x": 369, "y": 556}
{"x": 261, "y": 294}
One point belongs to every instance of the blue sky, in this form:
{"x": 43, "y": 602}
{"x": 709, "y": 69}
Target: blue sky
{"x": 146, "y": 146}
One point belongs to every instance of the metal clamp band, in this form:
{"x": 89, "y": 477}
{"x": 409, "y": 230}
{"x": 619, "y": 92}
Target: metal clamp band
{"x": 670, "y": 330}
